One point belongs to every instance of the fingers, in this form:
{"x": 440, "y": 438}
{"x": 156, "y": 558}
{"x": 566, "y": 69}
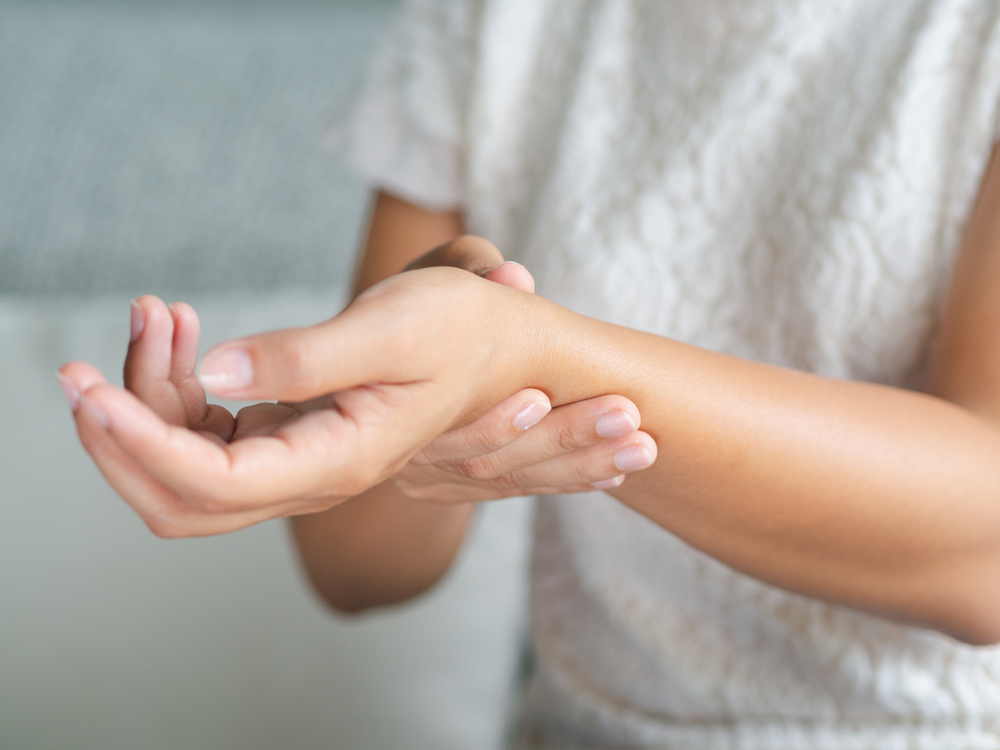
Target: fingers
{"x": 160, "y": 364}
{"x": 604, "y": 465}
{"x": 576, "y": 447}
{"x": 204, "y": 473}
{"x": 154, "y": 465}
{"x": 149, "y": 360}
{"x": 566, "y": 429}
{"x": 502, "y": 425}
{"x": 165, "y": 512}
{"x": 330, "y": 453}
{"x": 198, "y": 413}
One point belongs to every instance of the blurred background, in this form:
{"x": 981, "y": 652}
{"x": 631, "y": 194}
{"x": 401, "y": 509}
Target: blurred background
{"x": 174, "y": 147}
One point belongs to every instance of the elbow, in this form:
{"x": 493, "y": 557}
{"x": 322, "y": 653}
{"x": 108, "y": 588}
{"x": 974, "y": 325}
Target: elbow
{"x": 356, "y": 597}
{"x": 973, "y": 617}
{"x": 977, "y": 638}
{"x": 985, "y": 632}
{"x": 344, "y": 599}
{"x": 351, "y": 603}
{"x": 980, "y": 640}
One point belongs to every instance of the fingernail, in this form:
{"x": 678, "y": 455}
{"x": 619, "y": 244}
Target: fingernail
{"x": 69, "y": 391}
{"x": 608, "y": 484}
{"x": 89, "y": 407}
{"x": 226, "y": 370}
{"x": 138, "y": 321}
{"x": 632, "y": 458}
{"x": 615, "y": 424}
{"x": 530, "y": 415}
{"x": 484, "y": 274}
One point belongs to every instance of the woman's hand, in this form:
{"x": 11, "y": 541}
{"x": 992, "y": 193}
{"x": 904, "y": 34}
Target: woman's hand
{"x": 573, "y": 449}
{"x": 292, "y": 458}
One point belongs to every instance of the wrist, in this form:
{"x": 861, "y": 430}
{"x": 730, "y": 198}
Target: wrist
{"x": 574, "y": 357}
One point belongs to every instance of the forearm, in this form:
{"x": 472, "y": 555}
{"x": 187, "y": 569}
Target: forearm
{"x": 379, "y": 548}
{"x": 878, "y": 498}
{"x": 382, "y": 547}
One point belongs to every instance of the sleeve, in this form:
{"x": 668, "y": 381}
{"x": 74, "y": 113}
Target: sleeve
{"x": 406, "y": 131}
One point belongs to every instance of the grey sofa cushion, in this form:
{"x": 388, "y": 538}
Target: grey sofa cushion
{"x": 174, "y": 146}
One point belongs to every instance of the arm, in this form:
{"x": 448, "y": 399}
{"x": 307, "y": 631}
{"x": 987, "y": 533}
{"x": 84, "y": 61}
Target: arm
{"x": 878, "y": 498}
{"x": 873, "y": 497}
{"x": 398, "y": 538}
{"x": 382, "y": 547}
{"x": 368, "y": 544}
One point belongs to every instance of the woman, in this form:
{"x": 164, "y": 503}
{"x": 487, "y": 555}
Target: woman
{"x": 783, "y": 221}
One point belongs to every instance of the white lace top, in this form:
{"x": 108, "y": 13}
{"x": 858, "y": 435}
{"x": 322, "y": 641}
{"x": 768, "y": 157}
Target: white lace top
{"x": 783, "y": 180}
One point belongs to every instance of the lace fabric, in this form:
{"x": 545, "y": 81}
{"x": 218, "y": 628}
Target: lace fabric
{"x": 781, "y": 180}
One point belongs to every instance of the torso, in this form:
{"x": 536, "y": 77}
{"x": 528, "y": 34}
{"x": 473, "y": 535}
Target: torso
{"x": 781, "y": 180}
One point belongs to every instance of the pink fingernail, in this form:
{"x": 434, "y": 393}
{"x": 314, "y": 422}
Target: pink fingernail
{"x": 632, "y": 458}
{"x": 226, "y": 370}
{"x": 530, "y": 415}
{"x": 97, "y": 414}
{"x": 609, "y": 484}
{"x": 69, "y": 391}
{"x": 138, "y": 321}
{"x": 615, "y": 424}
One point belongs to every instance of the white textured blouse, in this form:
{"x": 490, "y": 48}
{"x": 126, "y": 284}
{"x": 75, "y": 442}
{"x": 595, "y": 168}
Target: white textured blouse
{"x": 781, "y": 180}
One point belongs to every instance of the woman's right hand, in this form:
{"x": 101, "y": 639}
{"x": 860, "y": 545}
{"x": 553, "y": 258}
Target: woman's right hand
{"x": 521, "y": 447}
{"x": 568, "y": 449}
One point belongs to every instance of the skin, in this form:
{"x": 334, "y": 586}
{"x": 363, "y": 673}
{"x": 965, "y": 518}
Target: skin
{"x": 398, "y": 538}
{"x": 872, "y": 497}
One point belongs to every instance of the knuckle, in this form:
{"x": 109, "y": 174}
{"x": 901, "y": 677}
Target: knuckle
{"x": 506, "y": 482}
{"x": 564, "y": 438}
{"x": 483, "y": 438}
{"x": 479, "y": 468}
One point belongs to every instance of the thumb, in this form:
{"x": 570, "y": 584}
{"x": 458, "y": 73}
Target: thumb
{"x": 298, "y": 364}
{"x": 381, "y": 337}
{"x": 481, "y": 257}
{"x": 513, "y": 275}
